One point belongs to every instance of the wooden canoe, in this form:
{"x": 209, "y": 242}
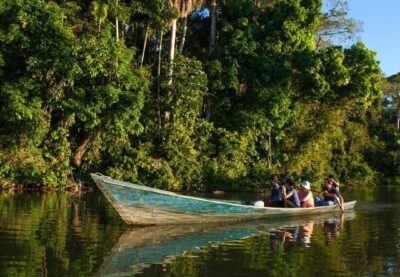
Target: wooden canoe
{"x": 140, "y": 205}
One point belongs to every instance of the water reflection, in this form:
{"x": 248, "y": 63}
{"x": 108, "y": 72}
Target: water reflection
{"x": 55, "y": 234}
{"x": 139, "y": 248}
{"x": 332, "y": 229}
{"x": 301, "y": 234}
{"x": 306, "y": 231}
{"x": 288, "y": 236}
{"x": 59, "y": 234}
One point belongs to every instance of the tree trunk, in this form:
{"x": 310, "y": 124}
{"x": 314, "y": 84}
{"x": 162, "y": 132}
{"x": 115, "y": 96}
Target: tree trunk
{"x": 183, "y": 35}
{"x": 398, "y": 110}
{"x": 317, "y": 46}
{"x": 213, "y": 30}
{"x": 81, "y": 150}
{"x": 116, "y": 21}
{"x": 144, "y": 45}
{"x": 208, "y": 107}
{"x": 159, "y": 80}
{"x": 116, "y": 28}
{"x": 269, "y": 149}
{"x": 398, "y": 120}
{"x": 213, "y": 39}
{"x": 172, "y": 51}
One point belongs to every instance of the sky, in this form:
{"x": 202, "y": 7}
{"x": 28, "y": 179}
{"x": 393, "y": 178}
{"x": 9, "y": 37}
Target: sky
{"x": 381, "y": 30}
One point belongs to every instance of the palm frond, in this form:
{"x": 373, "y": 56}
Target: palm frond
{"x": 100, "y": 10}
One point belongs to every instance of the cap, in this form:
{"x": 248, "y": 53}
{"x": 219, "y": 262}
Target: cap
{"x": 306, "y": 185}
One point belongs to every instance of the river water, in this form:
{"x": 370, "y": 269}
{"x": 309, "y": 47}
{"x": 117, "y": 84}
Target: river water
{"x": 60, "y": 234}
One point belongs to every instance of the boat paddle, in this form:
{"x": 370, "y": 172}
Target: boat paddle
{"x": 339, "y": 204}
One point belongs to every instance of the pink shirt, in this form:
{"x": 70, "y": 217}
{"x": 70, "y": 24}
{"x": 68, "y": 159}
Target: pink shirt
{"x": 306, "y": 199}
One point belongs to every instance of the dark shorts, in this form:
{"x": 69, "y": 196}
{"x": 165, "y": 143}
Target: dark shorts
{"x": 319, "y": 202}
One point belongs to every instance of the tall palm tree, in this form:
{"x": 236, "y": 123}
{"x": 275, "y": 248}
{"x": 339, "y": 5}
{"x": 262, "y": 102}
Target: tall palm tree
{"x": 115, "y": 8}
{"x": 154, "y": 16}
{"x": 183, "y": 39}
{"x": 183, "y": 7}
{"x": 100, "y": 11}
{"x": 121, "y": 13}
{"x": 144, "y": 44}
{"x": 212, "y": 7}
{"x": 393, "y": 90}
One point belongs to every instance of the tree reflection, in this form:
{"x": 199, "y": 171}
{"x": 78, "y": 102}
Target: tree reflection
{"x": 55, "y": 234}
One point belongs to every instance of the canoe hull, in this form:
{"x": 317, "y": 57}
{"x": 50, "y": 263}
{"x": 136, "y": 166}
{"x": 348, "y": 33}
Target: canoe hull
{"x": 139, "y": 205}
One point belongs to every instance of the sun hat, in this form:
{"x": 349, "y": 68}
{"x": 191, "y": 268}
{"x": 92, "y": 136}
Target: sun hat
{"x": 306, "y": 185}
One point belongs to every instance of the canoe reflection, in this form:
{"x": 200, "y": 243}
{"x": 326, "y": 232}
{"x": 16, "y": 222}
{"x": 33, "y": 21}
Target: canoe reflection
{"x": 139, "y": 248}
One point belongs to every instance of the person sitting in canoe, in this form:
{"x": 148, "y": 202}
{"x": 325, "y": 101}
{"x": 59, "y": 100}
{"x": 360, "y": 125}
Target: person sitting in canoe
{"x": 335, "y": 182}
{"x": 289, "y": 194}
{"x": 331, "y": 195}
{"x": 336, "y": 185}
{"x": 305, "y": 195}
{"x": 275, "y": 199}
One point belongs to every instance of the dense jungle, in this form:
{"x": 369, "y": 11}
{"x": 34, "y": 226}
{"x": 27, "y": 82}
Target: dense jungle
{"x": 192, "y": 95}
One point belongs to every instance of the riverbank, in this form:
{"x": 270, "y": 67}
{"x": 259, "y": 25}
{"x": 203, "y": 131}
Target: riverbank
{"x": 90, "y": 186}
{"x": 74, "y": 188}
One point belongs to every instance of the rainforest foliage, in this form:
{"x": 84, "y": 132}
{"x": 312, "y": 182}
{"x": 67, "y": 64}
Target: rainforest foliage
{"x": 190, "y": 94}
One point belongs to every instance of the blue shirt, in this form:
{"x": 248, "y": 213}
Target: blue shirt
{"x": 332, "y": 191}
{"x": 275, "y": 195}
{"x": 294, "y": 198}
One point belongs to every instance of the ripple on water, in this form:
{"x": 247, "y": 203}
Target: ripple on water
{"x": 377, "y": 206}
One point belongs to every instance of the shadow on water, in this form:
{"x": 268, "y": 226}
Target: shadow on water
{"x": 139, "y": 248}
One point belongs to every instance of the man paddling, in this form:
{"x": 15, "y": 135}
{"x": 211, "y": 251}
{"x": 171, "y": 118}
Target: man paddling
{"x": 336, "y": 185}
{"x": 335, "y": 182}
{"x": 331, "y": 195}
